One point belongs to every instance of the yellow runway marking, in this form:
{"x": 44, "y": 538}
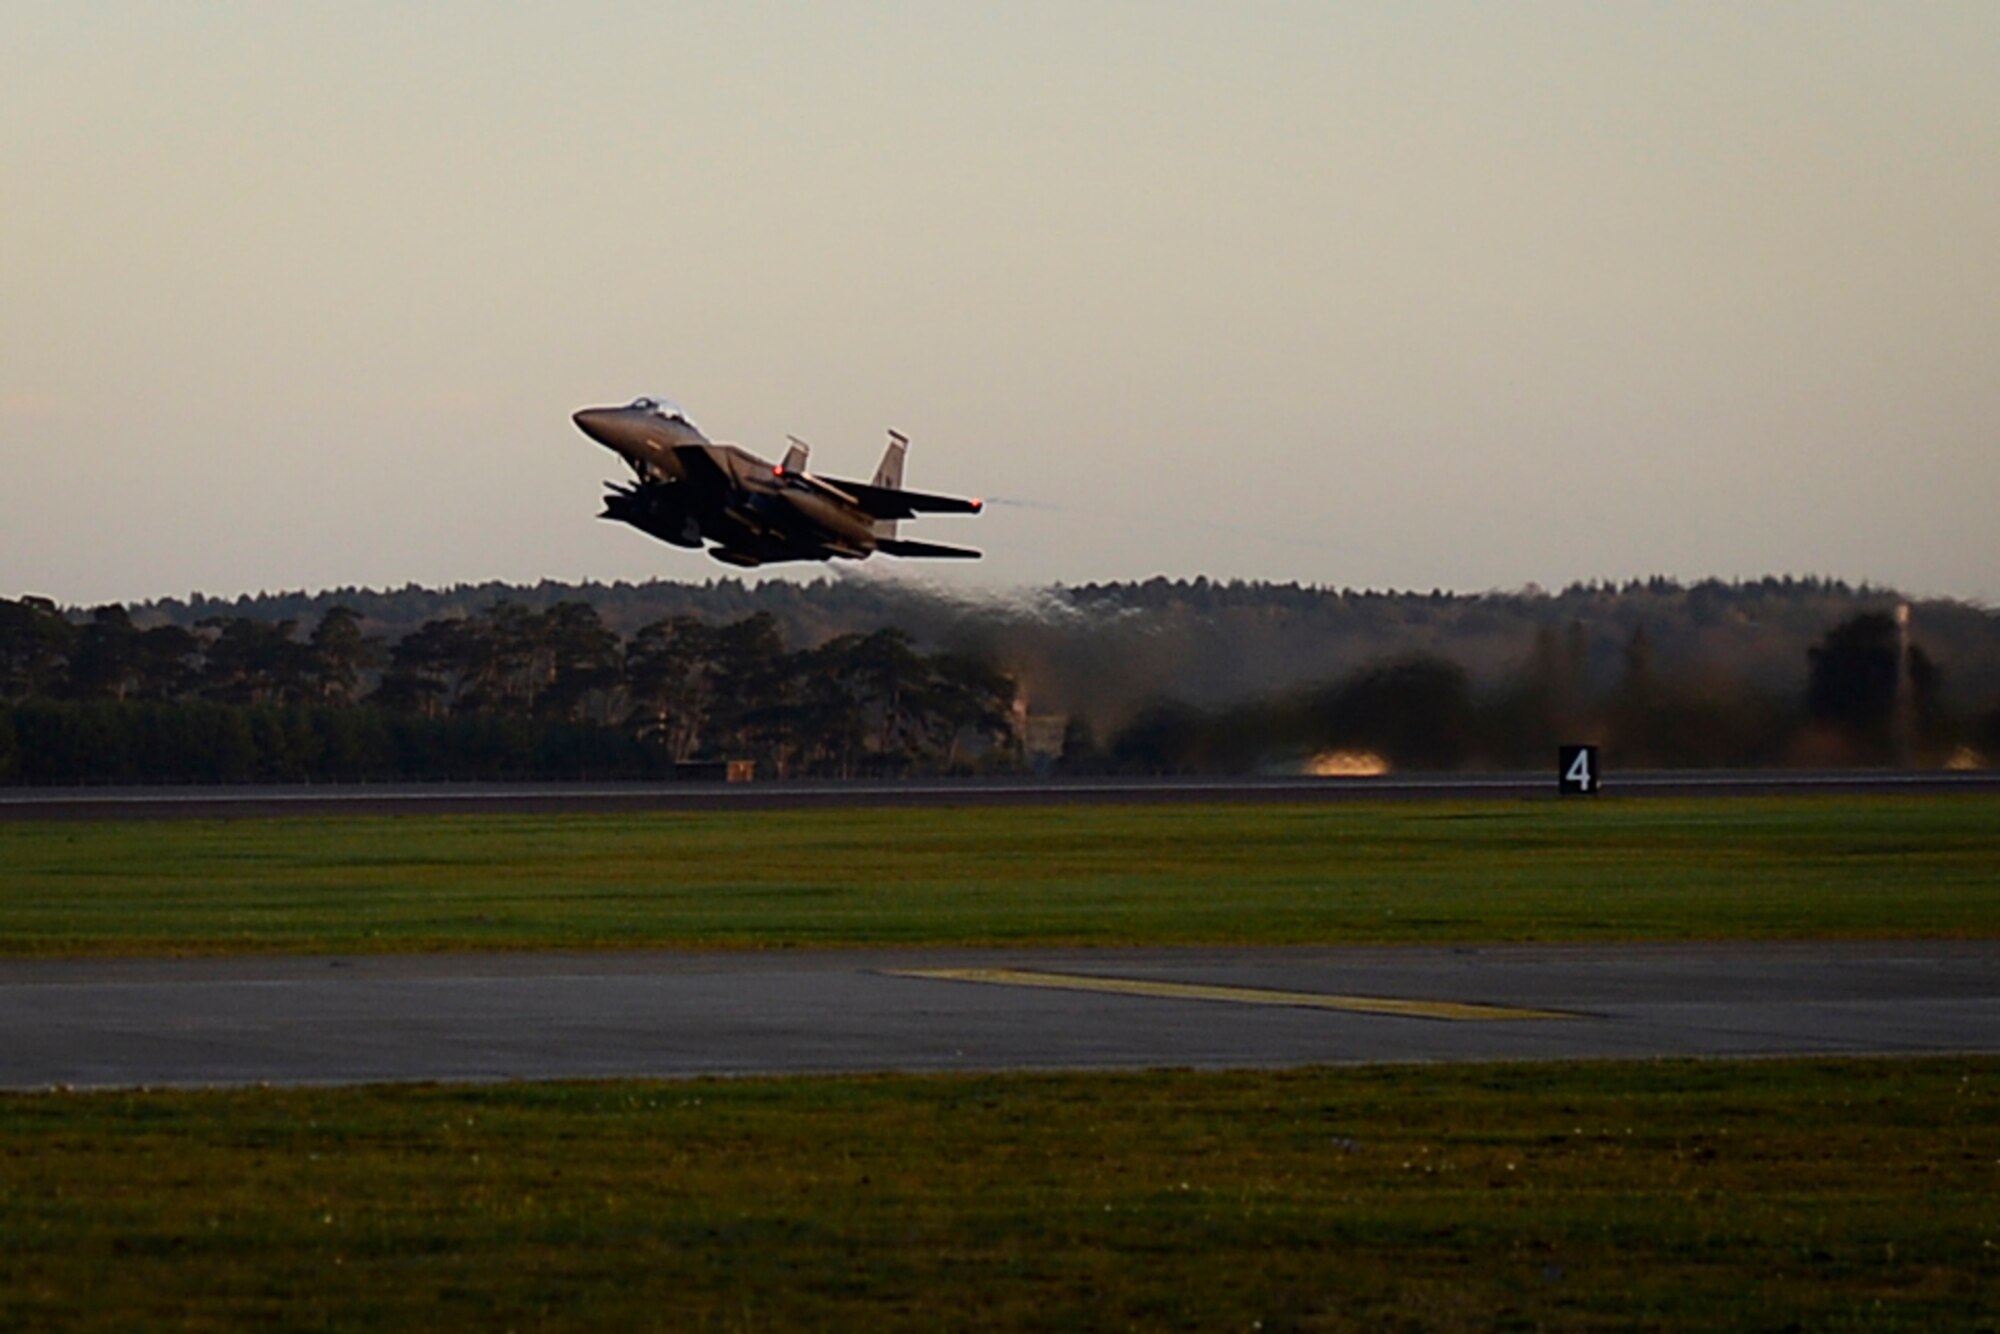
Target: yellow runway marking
{"x": 1316, "y": 1000}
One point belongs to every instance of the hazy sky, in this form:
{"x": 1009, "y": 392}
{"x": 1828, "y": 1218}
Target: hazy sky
{"x": 1385, "y": 295}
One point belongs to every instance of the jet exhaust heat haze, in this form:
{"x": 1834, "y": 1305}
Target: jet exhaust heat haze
{"x": 690, "y": 491}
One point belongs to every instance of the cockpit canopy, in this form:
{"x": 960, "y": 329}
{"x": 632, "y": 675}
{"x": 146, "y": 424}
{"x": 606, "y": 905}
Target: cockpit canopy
{"x": 662, "y": 407}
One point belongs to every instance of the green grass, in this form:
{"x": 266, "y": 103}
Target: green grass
{"x": 1821, "y": 1195}
{"x": 1220, "y": 874}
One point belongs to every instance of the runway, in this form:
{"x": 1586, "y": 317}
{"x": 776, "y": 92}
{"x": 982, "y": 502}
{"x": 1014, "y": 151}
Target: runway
{"x": 478, "y": 1018}
{"x": 300, "y": 800}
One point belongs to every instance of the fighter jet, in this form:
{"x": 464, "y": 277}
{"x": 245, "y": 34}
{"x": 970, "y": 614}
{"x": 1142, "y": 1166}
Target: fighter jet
{"x": 689, "y": 490}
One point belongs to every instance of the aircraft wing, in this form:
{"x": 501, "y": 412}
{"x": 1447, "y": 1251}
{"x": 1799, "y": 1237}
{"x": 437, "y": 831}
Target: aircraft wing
{"x": 700, "y": 466}
{"x": 882, "y": 502}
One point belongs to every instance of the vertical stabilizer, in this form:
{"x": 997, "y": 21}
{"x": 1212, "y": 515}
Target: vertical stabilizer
{"x": 889, "y": 476}
{"x": 795, "y": 457}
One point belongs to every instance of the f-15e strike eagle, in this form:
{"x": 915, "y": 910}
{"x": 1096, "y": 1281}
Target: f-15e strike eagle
{"x": 690, "y": 490}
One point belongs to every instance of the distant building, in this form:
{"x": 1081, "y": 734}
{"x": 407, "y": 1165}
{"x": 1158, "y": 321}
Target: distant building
{"x": 1042, "y": 739}
{"x": 715, "y": 771}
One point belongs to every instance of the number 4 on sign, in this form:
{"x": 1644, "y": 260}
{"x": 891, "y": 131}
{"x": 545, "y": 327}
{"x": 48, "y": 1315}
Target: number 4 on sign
{"x": 1576, "y": 771}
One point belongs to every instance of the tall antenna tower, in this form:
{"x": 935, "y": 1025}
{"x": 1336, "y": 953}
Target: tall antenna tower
{"x": 1906, "y": 704}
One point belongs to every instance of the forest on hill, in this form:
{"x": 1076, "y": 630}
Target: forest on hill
{"x": 863, "y": 676}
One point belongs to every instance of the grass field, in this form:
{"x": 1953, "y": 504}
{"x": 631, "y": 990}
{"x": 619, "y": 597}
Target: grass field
{"x": 1815, "y": 1195}
{"x": 1542, "y": 871}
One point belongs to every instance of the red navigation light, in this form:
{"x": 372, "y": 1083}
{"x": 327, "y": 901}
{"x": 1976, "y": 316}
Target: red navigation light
{"x": 977, "y": 504}
{"x": 778, "y": 470}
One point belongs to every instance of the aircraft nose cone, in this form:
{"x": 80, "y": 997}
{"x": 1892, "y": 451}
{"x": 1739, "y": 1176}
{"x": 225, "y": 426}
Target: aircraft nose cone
{"x": 595, "y": 423}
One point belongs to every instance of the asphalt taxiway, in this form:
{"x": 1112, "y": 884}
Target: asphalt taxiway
{"x": 295, "y": 1021}
{"x": 529, "y": 798}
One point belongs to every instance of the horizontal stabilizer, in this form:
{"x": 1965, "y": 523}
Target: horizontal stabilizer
{"x": 897, "y": 547}
{"x": 882, "y": 502}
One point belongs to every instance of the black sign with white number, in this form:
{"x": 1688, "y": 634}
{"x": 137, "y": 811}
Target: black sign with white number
{"x": 1576, "y": 771}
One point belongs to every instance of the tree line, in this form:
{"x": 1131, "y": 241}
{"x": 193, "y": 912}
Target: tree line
{"x": 1870, "y": 699}
{"x": 1099, "y": 683}
{"x": 1100, "y": 651}
{"x": 509, "y": 692}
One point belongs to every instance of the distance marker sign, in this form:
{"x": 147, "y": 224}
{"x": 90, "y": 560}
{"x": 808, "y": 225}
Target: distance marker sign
{"x": 1577, "y": 774}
